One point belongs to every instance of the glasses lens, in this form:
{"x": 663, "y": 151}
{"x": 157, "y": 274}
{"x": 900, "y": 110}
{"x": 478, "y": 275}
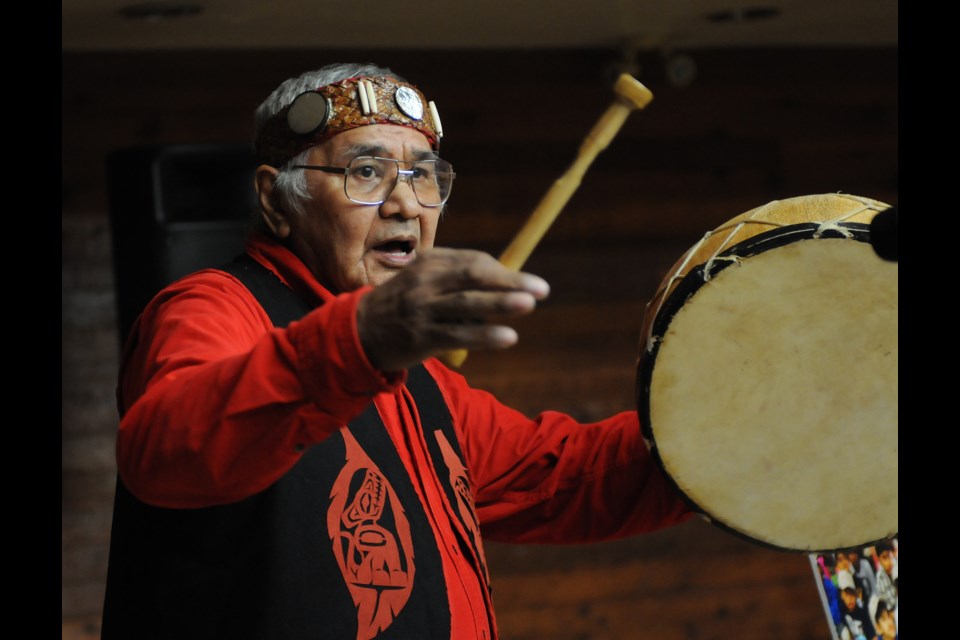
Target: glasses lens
{"x": 431, "y": 181}
{"x": 369, "y": 180}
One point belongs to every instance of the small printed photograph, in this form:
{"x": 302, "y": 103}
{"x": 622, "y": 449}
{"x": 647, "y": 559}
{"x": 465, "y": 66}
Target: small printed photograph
{"x": 860, "y": 591}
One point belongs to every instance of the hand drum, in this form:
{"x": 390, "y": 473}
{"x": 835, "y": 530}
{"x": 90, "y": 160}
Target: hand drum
{"x": 767, "y": 376}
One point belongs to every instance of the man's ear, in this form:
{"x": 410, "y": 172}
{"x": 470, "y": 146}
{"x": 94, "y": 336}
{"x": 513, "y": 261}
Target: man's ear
{"x": 275, "y": 217}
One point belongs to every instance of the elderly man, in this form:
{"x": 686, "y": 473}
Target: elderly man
{"x": 294, "y": 461}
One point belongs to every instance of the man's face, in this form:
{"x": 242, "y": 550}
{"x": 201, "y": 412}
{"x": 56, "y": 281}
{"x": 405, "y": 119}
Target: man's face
{"x": 348, "y": 245}
{"x": 843, "y": 563}
{"x": 849, "y": 597}
{"x": 886, "y": 625}
{"x": 886, "y": 561}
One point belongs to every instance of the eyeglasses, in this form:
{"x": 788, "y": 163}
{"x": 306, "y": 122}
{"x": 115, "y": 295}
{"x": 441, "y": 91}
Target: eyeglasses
{"x": 371, "y": 180}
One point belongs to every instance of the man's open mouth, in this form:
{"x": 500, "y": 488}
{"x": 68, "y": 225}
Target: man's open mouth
{"x": 396, "y": 246}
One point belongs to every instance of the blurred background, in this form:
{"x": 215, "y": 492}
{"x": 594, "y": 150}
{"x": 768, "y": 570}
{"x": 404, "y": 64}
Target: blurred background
{"x": 752, "y": 103}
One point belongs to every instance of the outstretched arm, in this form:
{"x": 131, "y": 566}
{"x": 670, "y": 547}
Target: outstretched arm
{"x": 553, "y": 480}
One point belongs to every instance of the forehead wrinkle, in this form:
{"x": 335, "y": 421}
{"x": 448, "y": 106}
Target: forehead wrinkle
{"x": 374, "y": 149}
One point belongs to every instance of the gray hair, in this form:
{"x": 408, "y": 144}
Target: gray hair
{"x": 291, "y": 184}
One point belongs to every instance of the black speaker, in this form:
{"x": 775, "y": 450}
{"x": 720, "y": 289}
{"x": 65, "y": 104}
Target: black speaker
{"x": 174, "y": 210}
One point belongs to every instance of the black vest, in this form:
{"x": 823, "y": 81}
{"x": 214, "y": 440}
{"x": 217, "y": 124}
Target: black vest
{"x": 339, "y": 547}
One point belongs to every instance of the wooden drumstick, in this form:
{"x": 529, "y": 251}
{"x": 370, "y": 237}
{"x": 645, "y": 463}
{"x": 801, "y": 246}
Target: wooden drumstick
{"x": 630, "y": 95}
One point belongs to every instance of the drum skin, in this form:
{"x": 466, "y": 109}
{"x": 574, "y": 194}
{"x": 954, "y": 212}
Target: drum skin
{"x": 767, "y": 376}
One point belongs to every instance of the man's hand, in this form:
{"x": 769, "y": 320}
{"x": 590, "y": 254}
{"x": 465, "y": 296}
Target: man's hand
{"x": 442, "y": 302}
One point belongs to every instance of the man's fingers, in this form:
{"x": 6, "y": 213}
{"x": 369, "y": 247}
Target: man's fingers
{"x": 478, "y": 305}
{"x": 459, "y": 270}
{"x": 447, "y": 299}
{"x": 450, "y": 336}
{"x": 535, "y": 285}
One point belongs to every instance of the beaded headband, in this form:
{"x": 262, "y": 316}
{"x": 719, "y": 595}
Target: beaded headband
{"x": 320, "y": 114}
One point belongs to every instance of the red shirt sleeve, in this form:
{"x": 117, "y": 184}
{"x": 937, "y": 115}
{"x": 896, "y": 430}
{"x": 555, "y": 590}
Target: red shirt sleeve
{"x": 216, "y": 404}
{"x": 552, "y": 479}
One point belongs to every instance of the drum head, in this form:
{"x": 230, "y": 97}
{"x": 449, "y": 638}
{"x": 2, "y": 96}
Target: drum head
{"x": 770, "y": 391}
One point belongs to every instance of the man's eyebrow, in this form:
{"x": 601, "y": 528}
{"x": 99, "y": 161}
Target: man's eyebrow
{"x": 357, "y": 150}
{"x": 425, "y": 155}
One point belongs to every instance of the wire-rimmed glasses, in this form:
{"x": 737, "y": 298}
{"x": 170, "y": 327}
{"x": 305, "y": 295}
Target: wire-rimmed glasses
{"x": 371, "y": 179}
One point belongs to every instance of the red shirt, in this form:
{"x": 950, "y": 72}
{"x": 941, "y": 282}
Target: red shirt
{"x": 217, "y": 405}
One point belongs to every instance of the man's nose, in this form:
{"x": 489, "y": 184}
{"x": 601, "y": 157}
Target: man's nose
{"x": 402, "y": 199}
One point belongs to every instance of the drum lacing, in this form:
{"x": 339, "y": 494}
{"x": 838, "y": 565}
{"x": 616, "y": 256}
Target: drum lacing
{"x": 708, "y": 268}
{"x": 834, "y": 225}
{"x": 735, "y": 228}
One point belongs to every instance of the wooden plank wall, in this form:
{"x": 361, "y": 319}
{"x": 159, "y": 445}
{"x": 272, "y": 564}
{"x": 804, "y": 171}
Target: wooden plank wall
{"x": 755, "y": 126}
